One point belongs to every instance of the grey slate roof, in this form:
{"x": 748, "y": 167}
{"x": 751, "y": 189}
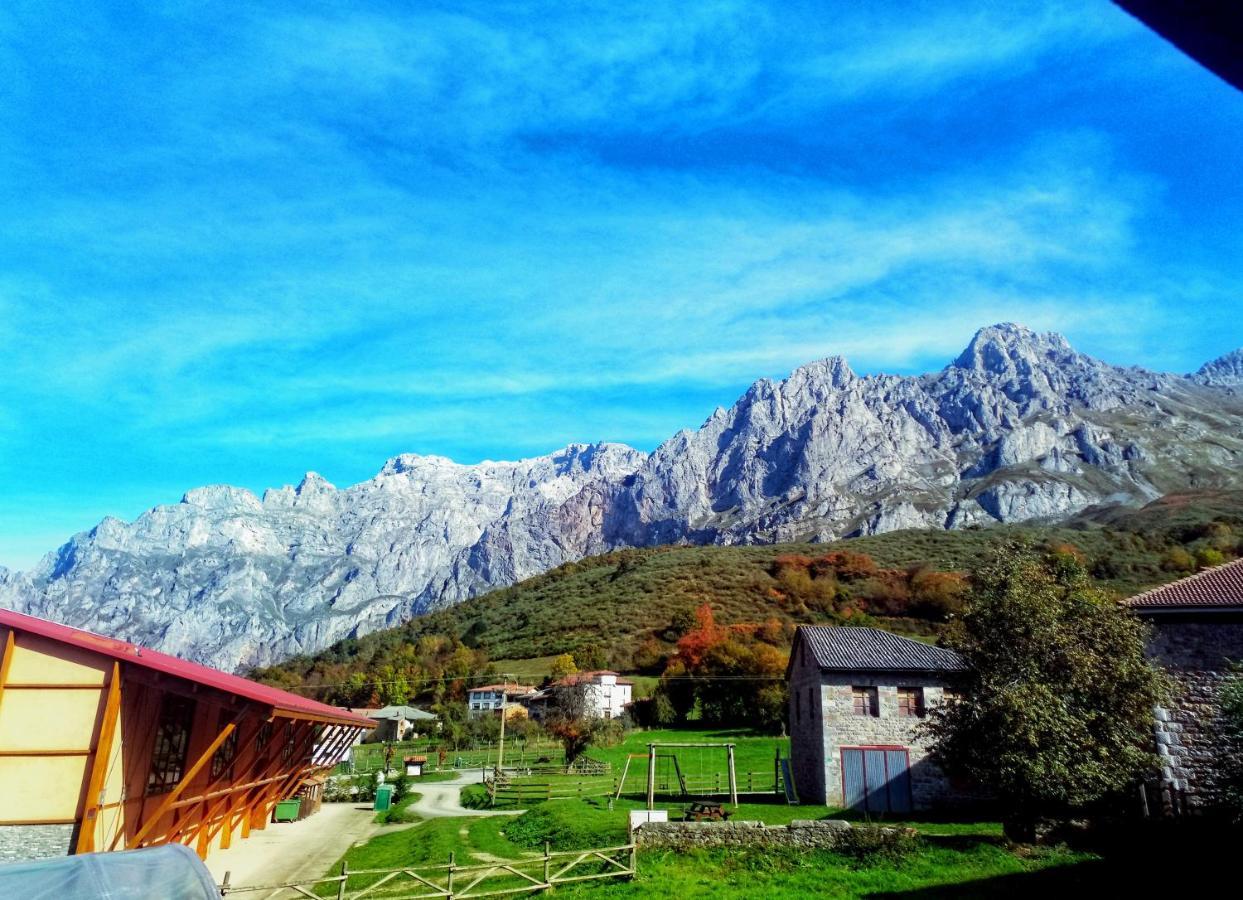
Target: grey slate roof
{"x": 409, "y": 713}
{"x": 845, "y": 648}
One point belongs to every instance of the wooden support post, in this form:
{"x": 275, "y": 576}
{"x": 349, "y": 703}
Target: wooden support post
{"x": 6, "y": 661}
{"x": 547, "y": 862}
{"x": 171, "y": 797}
{"x": 651, "y": 776}
{"x": 99, "y": 763}
{"x": 452, "y": 866}
{"x": 733, "y": 776}
{"x": 345, "y": 875}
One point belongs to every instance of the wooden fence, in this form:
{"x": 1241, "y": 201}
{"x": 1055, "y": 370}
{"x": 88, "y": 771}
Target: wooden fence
{"x": 520, "y": 791}
{"x": 492, "y": 879}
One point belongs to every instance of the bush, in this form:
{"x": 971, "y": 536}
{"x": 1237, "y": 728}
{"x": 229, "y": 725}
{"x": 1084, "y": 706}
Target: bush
{"x": 1207, "y": 557}
{"x": 475, "y": 796}
{"x": 351, "y": 788}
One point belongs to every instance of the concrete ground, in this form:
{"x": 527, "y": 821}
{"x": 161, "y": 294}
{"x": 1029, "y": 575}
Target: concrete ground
{"x": 287, "y": 851}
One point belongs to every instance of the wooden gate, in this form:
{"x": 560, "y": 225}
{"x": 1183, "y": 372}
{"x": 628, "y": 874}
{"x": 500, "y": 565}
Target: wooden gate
{"x": 876, "y": 779}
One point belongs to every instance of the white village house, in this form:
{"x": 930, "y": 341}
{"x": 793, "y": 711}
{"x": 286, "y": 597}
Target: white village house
{"x": 490, "y": 699}
{"x": 857, "y": 696}
{"x": 605, "y": 694}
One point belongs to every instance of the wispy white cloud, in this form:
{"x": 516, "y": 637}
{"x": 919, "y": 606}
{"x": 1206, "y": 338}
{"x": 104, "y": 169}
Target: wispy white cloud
{"x": 312, "y": 236}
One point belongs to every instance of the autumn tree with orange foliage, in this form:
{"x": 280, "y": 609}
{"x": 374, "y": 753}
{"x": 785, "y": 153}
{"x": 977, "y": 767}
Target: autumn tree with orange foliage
{"x": 733, "y": 674}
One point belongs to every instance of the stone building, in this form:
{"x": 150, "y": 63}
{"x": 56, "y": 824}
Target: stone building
{"x": 1197, "y": 633}
{"x": 857, "y": 696}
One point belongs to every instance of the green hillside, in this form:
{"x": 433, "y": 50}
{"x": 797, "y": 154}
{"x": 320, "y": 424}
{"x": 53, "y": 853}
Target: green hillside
{"x": 619, "y": 609}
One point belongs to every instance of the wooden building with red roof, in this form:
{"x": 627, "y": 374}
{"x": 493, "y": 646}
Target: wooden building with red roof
{"x": 1197, "y": 635}
{"x": 105, "y": 745}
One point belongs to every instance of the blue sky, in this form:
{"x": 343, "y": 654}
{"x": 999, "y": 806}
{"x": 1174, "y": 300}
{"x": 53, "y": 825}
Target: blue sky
{"x": 237, "y": 244}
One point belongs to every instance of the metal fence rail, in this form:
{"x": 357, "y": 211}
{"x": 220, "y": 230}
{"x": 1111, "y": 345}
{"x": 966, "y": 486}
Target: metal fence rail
{"x": 492, "y": 879}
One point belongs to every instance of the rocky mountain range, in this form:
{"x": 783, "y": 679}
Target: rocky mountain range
{"x": 1019, "y": 427}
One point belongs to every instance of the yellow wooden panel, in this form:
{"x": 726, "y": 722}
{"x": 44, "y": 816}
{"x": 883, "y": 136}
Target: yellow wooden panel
{"x": 45, "y": 787}
{"x": 39, "y": 660}
{"x": 48, "y": 719}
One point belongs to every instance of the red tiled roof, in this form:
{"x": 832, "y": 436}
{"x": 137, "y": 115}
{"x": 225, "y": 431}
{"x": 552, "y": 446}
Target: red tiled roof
{"x": 590, "y": 678}
{"x": 507, "y": 688}
{"x": 281, "y": 701}
{"x": 1220, "y": 586}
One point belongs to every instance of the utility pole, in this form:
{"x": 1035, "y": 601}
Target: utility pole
{"x": 500, "y": 750}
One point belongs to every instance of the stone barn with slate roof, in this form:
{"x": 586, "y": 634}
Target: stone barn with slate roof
{"x": 857, "y": 696}
{"x": 1197, "y": 627}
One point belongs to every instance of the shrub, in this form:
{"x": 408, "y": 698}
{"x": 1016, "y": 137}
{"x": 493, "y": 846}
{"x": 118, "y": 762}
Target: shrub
{"x": 1207, "y": 557}
{"x": 475, "y": 796}
{"x": 1178, "y": 560}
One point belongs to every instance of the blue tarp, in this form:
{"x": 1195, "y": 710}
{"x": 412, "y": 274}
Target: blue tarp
{"x": 170, "y": 872}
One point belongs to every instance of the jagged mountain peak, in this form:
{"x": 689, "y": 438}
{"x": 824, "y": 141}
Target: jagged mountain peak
{"x": 1224, "y": 370}
{"x": 1019, "y": 427}
{"x": 1009, "y": 348}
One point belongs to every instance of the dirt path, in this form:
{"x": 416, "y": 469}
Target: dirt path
{"x": 443, "y": 799}
{"x": 285, "y": 852}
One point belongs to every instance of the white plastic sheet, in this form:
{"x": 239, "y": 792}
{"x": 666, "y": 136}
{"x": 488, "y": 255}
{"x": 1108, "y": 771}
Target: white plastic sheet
{"x": 170, "y": 872}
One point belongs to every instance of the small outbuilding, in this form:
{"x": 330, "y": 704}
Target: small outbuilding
{"x": 857, "y": 697}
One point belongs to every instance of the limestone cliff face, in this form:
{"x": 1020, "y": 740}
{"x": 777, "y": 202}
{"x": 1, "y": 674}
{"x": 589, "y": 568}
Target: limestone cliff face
{"x": 1019, "y": 427}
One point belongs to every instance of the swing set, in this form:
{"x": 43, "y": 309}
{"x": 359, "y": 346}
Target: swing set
{"x": 664, "y": 771}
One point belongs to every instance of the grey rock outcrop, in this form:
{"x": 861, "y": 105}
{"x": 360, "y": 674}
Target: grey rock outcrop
{"x": 1020, "y": 426}
{"x": 1225, "y": 370}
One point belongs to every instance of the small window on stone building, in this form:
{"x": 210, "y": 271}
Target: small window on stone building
{"x": 911, "y": 701}
{"x": 865, "y": 703}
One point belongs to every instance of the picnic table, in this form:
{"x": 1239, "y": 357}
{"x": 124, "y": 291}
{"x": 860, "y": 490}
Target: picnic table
{"x": 706, "y": 811}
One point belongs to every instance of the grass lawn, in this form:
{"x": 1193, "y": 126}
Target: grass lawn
{"x": 753, "y": 752}
{"x": 953, "y": 859}
{"x": 398, "y": 812}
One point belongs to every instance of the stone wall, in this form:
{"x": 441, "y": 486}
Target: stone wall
{"x": 1198, "y": 655}
{"x": 806, "y": 727}
{"x": 929, "y": 787}
{"x": 800, "y": 833}
{"x": 34, "y": 841}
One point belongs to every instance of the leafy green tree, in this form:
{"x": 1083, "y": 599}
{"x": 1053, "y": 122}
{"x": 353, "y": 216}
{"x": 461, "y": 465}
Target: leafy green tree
{"x": 562, "y": 666}
{"x": 1056, "y": 703}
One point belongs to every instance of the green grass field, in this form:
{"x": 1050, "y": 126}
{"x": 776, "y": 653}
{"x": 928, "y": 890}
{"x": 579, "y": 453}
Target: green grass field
{"x": 950, "y": 858}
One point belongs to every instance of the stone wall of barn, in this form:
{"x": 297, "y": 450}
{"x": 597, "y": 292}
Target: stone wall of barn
{"x": 23, "y": 842}
{"x": 842, "y": 728}
{"x": 1188, "y": 728}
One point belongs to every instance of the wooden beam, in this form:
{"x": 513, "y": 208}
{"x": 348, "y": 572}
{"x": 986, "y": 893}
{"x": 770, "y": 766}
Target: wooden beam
{"x": 171, "y": 797}
{"x": 53, "y": 686}
{"x": 282, "y": 788}
{"x": 21, "y": 753}
{"x": 99, "y": 763}
{"x": 256, "y": 800}
{"x": 6, "y": 661}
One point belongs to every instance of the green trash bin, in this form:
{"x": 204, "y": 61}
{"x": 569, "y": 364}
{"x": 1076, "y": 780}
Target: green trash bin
{"x": 287, "y": 810}
{"x": 383, "y": 797}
